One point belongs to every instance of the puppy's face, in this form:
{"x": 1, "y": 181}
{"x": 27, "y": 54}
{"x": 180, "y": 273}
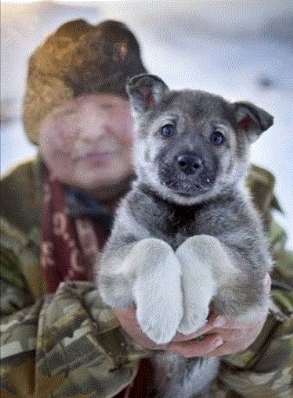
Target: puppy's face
{"x": 190, "y": 145}
{"x": 185, "y": 150}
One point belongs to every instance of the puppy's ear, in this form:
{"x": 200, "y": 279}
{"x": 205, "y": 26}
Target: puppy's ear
{"x": 251, "y": 119}
{"x": 145, "y": 91}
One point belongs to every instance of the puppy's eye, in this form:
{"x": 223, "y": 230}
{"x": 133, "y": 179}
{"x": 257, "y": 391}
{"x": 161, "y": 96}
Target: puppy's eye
{"x": 168, "y": 130}
{"x": 217, "y": 138}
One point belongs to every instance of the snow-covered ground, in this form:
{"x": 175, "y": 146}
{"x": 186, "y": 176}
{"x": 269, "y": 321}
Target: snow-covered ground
{"x": 238, "y": 49}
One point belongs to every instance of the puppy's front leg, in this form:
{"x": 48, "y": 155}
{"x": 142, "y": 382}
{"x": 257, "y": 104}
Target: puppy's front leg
{"x": 146, "y": 273}
{"x": 157, "y": 289}
{"x": 205, "y": 267}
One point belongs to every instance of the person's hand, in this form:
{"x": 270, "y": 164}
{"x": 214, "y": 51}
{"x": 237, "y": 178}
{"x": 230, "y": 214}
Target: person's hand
{"x": 219, "y": 336}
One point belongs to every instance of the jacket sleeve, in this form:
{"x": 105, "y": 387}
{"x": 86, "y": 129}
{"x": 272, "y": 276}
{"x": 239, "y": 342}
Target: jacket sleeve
{"x": 62, "y": 347}
{"x": 59, "y": 345}
{"x": 265, "y": 369}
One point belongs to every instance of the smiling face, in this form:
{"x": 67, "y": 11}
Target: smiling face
{"x": 86, "y": 142}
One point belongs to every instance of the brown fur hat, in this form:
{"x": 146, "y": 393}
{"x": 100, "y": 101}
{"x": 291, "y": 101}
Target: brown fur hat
{"x": 78, "y": 58}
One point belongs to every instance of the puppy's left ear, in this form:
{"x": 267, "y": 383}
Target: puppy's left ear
{"x": 253, "y": 120}
{"x": 145, "y": 91}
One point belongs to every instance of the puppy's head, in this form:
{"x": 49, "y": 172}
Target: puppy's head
{"x": 190, "y": 145}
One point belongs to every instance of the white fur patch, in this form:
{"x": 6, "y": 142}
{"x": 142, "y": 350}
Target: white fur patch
{"x": 157, "y": 290}
{"x": 205, "y": 268}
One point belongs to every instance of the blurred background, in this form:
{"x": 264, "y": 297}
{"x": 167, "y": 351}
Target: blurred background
{"x": 240, "y": 49}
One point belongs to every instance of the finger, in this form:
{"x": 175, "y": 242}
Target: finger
{"x": 230, "y": 347}
{"x": 234, "y": 334}
{"x": 196, "y": 348}
{"x": 244, "y": 324}
{"x": 213, "y": 321}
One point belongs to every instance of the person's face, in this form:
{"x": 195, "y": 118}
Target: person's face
{"x": 86, "y": 142}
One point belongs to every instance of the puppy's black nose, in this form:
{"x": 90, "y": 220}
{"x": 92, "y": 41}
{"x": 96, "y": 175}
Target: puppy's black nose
{"x": 189, "y": 163}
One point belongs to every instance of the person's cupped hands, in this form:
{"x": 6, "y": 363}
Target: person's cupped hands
{"x": 220, "y": 335}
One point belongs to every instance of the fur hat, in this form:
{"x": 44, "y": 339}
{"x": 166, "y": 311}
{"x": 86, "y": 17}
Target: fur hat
{"x": 78, "y": 58}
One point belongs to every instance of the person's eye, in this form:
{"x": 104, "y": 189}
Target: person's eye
{"x": 106, "y": 105}
{"x": 167, "y": 130}
{"x": 70, "y": 112}
{"x": 217, "y": 138}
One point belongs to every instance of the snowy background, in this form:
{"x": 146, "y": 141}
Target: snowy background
{"x": 238, "y": 49}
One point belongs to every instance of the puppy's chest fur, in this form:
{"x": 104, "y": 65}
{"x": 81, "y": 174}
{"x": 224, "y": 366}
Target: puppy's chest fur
{"x": 175, "y": 223}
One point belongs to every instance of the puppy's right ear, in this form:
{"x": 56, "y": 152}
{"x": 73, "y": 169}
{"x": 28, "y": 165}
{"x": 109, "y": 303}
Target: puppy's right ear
{"x": 252, "y": 119}
{"x": 145, "y": 91}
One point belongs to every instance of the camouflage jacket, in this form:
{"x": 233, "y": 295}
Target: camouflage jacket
{"x": 65, "y": 345}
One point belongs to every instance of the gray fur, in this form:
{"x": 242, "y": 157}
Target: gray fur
{"x": 186, "y": 238}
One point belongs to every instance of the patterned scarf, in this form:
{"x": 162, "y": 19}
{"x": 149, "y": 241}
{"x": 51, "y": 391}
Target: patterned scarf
{"x": 74, "y": 230}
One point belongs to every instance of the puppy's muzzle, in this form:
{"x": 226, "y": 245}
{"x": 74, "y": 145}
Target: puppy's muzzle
{"x": 189, "y": 163}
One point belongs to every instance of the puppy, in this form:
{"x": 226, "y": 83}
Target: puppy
{"x": 186, "y": 238}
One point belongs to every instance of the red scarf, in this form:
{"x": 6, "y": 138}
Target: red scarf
{"x": 69, "y": 245}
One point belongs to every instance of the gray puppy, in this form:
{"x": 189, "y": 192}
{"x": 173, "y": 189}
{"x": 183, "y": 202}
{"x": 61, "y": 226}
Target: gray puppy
{"x": 186, "y": 238}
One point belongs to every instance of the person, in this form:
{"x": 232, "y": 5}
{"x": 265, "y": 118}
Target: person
{"x": 58, "y": 339}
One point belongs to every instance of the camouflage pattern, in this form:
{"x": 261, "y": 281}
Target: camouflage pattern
{"x": 69, "y": 344}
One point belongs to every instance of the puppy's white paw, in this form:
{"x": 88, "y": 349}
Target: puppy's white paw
{"x": 160, "y": 322}
{"x": 157, "y": 290}
{"x": 193, "y": 320}
{"x": 198, "y": 284}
